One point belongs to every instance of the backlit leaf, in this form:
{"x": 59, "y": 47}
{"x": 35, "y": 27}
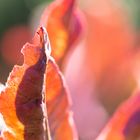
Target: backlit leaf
{"x": 125, "y": 124}
{"x": 25, "y": 113}
{"x": 58, "y": 105}
{"x": 21, "y": 102}
{"x": 64, "y": 26}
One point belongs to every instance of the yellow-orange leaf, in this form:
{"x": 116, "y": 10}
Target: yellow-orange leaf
{"x": 63, "y": 23}
{"x": 21, "y": 102}
{"x": 58, "y": 105}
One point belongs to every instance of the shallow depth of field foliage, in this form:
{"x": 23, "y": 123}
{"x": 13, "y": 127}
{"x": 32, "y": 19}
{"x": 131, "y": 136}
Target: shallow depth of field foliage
{"x": 69, "y": 70}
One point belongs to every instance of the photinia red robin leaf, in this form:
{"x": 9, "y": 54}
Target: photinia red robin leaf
{"x": 125, "y": 124}
{"x": 22, "y": 101}
{"x": 58, "y": 105}
{"x": 110, "y": 42}
{"x": 63, "y": 22}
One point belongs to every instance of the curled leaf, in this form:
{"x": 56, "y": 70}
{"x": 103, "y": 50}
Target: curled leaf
{"x": 64, "y": 25}
{"x": 58, "y": 105}
{"x": 125, "y": 124}
{"x": 22, "y": 101}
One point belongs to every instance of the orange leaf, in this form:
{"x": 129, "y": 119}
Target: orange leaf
{"x": 125, "y": 124}
{"x": 63, "y": 23}
{"x": 108, "y": 57}
{"x": 21, "y": 102}
{"x": 58, "y": 105}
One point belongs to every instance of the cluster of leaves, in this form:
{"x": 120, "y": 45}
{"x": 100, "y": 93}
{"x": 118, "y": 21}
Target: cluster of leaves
{"x": 35, "y": 102}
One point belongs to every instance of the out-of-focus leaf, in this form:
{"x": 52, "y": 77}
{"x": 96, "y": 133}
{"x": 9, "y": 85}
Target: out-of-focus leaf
{"x": 22, "y": 102}
{"x": 110, "y": 42}
{"x": 58, "y": 105}
{"x": 125, "y": 124}
{"x": 63, "y": 22}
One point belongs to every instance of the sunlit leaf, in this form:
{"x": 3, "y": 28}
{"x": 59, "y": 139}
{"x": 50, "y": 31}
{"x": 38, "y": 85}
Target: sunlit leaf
{"x": 25, "y": 113}
{"x": 64, "y": 26}
{"x": 125, "y": 124}
{"x": 21, "y": 102}
{"x": 58, "y": 105}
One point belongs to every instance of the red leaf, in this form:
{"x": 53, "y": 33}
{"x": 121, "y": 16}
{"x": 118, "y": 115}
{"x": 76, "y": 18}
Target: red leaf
{"x": 125, "y": 124}
{"x": 108, "y": 57}
{"x": 64, "y": 26}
